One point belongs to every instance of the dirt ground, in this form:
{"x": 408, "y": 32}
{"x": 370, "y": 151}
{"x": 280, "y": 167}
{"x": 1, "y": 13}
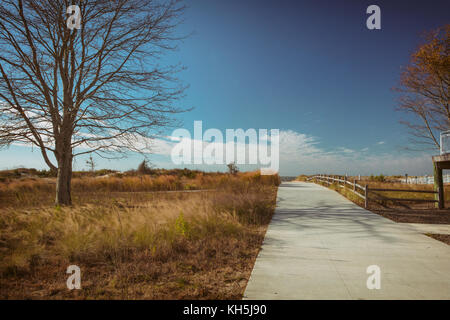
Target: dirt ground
{"x": 426, "y": 216}
{"x": 429, "y": 216}
{"x": 441, "y": 237}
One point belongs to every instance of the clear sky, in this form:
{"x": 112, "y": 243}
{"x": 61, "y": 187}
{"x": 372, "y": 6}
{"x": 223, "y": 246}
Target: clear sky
{"x": 309, "y": 68}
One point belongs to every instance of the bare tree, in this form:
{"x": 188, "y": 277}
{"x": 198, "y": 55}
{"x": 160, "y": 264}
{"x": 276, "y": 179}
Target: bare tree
{"x": 424, "y": 85}
{"x": 90, "y": 163}
{"x": 98, "y": 88}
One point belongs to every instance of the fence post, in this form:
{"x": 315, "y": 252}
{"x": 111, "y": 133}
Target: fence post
{"x": 366, "y": 196}
{"x": 438, "y": 186}
{"x": 354, "y": 185}
{"x": 345, "y": 181}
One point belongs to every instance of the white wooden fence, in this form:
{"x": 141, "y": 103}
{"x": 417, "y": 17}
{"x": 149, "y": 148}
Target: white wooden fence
{"x": 424, "y": 179}
{"x": 363, "y": 191}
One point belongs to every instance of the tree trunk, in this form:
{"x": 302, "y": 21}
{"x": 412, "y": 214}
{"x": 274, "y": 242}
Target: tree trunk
{"x": 63, "y": 180}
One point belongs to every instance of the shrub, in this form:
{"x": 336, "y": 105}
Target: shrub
{"x": 380, "y": 178}
{"x": 144, "y": 168}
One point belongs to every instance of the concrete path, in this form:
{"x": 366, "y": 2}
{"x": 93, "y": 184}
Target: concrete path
{"x": 319, "y": 245}
{"x": 430, "y": 228}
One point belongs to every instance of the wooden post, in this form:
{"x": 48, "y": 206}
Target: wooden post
{"x": 438, "y": 186}
{"x": 366, "y": 196}
{"x": 406, "y": 178}
{"x": 345, "y": 181}
{"x": 354, "y": 185}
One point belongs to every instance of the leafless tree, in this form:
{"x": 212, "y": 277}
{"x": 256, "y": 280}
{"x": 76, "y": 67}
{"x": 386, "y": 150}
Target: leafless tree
{"x": 90, "y": 163}
{"x": 99, "y": 88}
{"x": 424, "y": 85}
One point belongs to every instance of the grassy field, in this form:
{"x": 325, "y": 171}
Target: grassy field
{"x": 131, "y": 242}
{"x": 30, "y": 190}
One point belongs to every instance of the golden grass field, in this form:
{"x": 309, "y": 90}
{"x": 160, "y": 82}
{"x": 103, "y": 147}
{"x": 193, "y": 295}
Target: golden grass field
{"x": 131, "y": 242}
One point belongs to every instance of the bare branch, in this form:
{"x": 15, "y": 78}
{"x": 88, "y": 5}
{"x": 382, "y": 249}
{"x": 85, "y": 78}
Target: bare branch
{"x": 424, "y": 85}
{"x": 98, "y": 89}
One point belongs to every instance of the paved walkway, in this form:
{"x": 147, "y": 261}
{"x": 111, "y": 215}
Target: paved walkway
{"x": 430, "y": 228}
{"x": 319, "y": 245}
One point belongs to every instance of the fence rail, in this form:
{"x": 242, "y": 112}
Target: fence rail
{"x": 366, "y": 190}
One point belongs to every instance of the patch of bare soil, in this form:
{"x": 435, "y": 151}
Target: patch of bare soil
{"x": 429, "y": 216}
{"x": 441, "y": 237}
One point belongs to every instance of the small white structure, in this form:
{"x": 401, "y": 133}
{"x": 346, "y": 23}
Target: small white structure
{"x": 445, "y": 142}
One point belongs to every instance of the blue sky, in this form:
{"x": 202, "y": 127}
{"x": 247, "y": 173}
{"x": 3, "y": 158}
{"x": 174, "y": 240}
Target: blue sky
{"x": 309, "y": 68}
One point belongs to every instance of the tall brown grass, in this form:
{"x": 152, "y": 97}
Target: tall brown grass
{"x": 40, "y": 191}
{"x": 116, "y": 230}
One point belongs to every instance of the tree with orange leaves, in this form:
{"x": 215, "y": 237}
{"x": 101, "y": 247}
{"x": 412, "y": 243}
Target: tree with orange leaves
{"x": 424, "y": 86}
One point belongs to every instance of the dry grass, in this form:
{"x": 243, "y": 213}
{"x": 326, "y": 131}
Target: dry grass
{"x": 32, "y": 192}
{"x": 137, "y": 245}
{"x": 346, "y": 193}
